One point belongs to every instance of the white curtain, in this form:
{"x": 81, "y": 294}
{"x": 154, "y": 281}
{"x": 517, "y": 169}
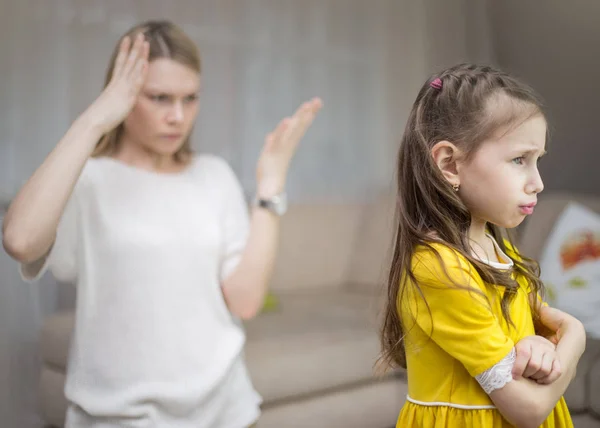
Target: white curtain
{"x": 261, "y": 59}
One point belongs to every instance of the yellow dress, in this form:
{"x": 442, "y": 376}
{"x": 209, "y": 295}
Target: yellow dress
{"x": 467, "y": 339}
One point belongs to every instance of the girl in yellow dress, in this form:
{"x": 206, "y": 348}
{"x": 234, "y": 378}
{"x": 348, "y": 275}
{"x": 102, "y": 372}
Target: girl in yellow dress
{"x": 465, "y": 314}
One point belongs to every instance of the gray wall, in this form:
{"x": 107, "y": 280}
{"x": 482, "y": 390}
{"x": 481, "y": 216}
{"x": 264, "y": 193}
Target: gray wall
{"x": 553, "y": 45}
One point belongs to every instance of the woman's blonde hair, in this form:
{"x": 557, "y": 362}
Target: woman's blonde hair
{"x": 166, "y": 40}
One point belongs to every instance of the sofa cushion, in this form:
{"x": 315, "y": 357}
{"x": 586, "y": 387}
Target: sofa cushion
{"x": 373, "y": 247}
{"x": 593, "y": 381}
{"x": 577, "y": 394}
{"x": 317, "y": 341}
{"x": 570, "y": 265}
{"x": 53, "y": 403}
{"x": 316, "y": 246}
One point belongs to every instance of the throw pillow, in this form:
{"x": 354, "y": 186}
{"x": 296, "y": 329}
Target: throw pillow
{"x": 570, "y": 265}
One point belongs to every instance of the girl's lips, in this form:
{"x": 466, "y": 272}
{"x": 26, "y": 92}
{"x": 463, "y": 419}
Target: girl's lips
{"x": 527, "y": 209}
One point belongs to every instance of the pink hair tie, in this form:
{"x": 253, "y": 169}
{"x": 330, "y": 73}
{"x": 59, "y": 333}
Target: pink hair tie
{"x": 436, "y": 83}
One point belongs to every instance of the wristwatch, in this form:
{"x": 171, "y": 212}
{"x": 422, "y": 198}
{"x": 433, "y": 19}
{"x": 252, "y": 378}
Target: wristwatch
{"x": 276, "y": 204}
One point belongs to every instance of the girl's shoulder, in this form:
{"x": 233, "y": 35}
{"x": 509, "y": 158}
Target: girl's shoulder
{"x": 438, "y": 253}
{"x": 439, "y": 263}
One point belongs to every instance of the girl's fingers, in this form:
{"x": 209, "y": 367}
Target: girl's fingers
{"x": 545, "y": 367}
{"x": 534, "y": 364}
{"x": 554, "y": 375}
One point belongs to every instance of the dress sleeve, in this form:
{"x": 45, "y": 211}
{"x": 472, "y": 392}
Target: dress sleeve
{"x": 454, "y": 311}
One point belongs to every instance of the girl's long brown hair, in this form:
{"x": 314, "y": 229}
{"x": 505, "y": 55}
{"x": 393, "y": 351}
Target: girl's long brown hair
{"x": 473, "y": 104}
{"x": 166, "y": 40}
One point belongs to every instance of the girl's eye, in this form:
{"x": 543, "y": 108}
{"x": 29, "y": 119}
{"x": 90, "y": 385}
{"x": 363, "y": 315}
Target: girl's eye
{"x": 519, "y": 160}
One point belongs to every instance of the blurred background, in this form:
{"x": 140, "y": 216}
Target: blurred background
{"x": 311, "y": 355}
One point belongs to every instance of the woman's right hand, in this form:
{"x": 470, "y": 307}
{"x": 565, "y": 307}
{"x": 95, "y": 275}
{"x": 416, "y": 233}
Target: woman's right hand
{"x": 30, "y": 224}
{"x": 118, "y": 98}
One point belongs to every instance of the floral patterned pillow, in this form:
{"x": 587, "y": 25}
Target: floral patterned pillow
{"x": 570, "y": 265}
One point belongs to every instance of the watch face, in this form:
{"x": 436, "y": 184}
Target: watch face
{"x": 280, "y": 204}
{"x": 277, "y": 204}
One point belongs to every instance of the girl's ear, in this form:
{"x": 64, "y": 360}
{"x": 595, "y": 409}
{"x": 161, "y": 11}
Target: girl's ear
{"x": 445, "y": 156}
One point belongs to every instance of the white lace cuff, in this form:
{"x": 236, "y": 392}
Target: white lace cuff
{"x": 499, "y": 375}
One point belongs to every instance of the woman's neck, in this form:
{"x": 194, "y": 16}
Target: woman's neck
{"x": 137, "y": 156}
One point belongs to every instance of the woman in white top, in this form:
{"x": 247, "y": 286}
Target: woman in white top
{"x": 160, "y": 243}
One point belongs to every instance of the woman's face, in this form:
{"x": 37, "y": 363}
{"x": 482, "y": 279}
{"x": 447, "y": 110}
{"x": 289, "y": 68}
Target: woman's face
{"x": 166, "y": 108}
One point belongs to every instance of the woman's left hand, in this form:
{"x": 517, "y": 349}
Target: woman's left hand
{"x": 280, "y": 146}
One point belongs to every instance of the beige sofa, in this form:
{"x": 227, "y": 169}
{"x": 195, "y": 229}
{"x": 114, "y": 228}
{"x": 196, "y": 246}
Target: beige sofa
{"x": 311, "y": 359}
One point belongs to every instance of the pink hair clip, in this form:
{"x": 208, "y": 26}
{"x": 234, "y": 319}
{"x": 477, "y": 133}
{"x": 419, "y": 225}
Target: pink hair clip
{"x": 436, "y": 83}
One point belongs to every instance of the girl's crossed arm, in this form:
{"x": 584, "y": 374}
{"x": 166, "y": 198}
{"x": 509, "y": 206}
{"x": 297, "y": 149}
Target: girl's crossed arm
{"x": 526, "y": 403}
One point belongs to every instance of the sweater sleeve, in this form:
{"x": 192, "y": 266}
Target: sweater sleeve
{"x": 235, "y": 221}
{"x": 61, "y": 259}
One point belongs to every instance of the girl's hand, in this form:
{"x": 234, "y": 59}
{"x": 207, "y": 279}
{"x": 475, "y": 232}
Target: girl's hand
{"x": 554, "y": 321}
{"x": 280, "y": 146}
{"x": 118, "y": 98}
{"x": 537, "y": 360}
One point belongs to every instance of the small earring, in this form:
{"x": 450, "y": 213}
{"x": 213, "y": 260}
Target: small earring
{"x": 456, "y": 187}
